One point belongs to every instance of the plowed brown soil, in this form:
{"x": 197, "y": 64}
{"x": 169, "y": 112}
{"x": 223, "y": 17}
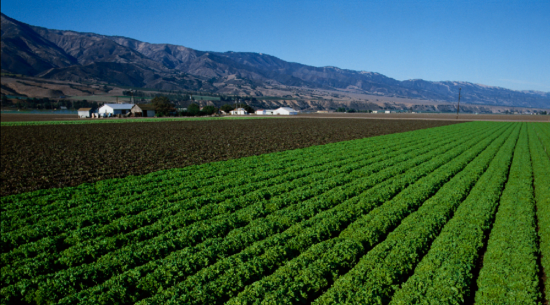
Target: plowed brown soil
{"x": 26, "y": 117}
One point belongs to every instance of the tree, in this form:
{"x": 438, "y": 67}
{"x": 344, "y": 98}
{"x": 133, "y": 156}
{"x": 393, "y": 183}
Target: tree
{"x": 209, "y": 110}
{"x": 193, "y": 109}
{"x": 248, "y": 108}
{"x": 227, "y": 108}
{"x": 162, "y": 105}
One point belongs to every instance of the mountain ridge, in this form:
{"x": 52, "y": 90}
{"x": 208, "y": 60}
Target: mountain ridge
{"x": 90, "y": 57}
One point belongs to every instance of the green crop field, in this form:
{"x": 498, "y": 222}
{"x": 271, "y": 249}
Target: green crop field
{"x": 448, "y": 215}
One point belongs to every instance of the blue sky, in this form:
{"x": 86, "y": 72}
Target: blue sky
{"x": 498, "y": 43}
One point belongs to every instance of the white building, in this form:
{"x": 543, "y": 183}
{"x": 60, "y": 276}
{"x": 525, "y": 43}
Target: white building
{"x": 285, "y": 111}
{"x": 265, "y": 111}
{"x": 387, "y": 111}
{"x": 115, "y": 109}
{"x": 239, "y": 111}
{"x": 374, "y": 111}
{"x": 85, "y": 113}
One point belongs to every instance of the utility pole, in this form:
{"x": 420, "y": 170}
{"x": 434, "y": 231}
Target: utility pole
{"x": 458, "y": 107}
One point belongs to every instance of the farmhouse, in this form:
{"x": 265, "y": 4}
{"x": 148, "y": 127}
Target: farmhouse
{"x": 239, "y": 111}
{"x": 286, "y": 111}
{"x": 115, "y": 109}
{"x": 143, "y": 110}
{"x": 85, "y": 112}
{"x": 265, "y": 111}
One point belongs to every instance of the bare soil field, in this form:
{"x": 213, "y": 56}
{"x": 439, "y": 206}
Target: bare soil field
{"x": 433, "y": 116}
{"x": 49, "y": 156}
{"x": 23, "y": 117}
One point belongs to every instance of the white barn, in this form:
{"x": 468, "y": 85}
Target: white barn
{"x": 239, "y": 111}
{"x": 115, "y": 109}
{"x": 285, "y": 111}
{"x": 85, "y": 112}
{"x": 265, "y": 111}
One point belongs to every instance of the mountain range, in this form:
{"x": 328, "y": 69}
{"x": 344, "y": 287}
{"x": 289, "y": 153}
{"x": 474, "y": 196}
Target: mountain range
{"x": 88, "y": 57}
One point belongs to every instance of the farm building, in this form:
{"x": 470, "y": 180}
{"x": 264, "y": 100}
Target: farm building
{"x": 387, "y": 111}
{"x": 375, "y": 111}
{"x": 143, "y": 110}
{"x": 85, "y": 112}
{"x": 265, "y": 111}
{"x": 285, "y": 111}
{"x": 239, "y": 111}
{"x": 115, "y": 109}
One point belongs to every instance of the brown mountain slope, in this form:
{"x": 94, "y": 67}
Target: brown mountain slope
{"x": 74, "y": 56}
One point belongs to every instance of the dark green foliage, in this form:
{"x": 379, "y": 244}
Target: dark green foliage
{"x": 227, "y": 107}
{"x": 209, "y": 110}
{"x": 449, "y": 280}
{"x": 162, "y": 105}
{"x": 510, "y": 273}
{"x": 541, "y": 173}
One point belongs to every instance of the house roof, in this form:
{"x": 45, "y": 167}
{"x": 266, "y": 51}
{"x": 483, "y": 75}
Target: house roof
{"x": 120, "y": 106}
{"x": 84, "y": 109}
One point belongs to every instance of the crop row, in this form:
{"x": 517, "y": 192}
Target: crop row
{"x": 515, "y": 224}
{"x": 288, "y": 285}
{"x": 445, "y": 274}
{"x": 543, "y": 133}
{"x": 225, "y": 278}
{"x": 192, "y": 260}
{"x": 541, "y": 173}
{"x": 173, "y": 240}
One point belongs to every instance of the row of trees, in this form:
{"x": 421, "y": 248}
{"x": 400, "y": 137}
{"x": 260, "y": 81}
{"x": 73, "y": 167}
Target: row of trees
{"x": 351, "y": 110}
{"x": 163, "y": 106}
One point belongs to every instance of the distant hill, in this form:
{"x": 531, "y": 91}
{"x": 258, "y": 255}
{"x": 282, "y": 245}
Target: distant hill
{"x": 89, "y": 57}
